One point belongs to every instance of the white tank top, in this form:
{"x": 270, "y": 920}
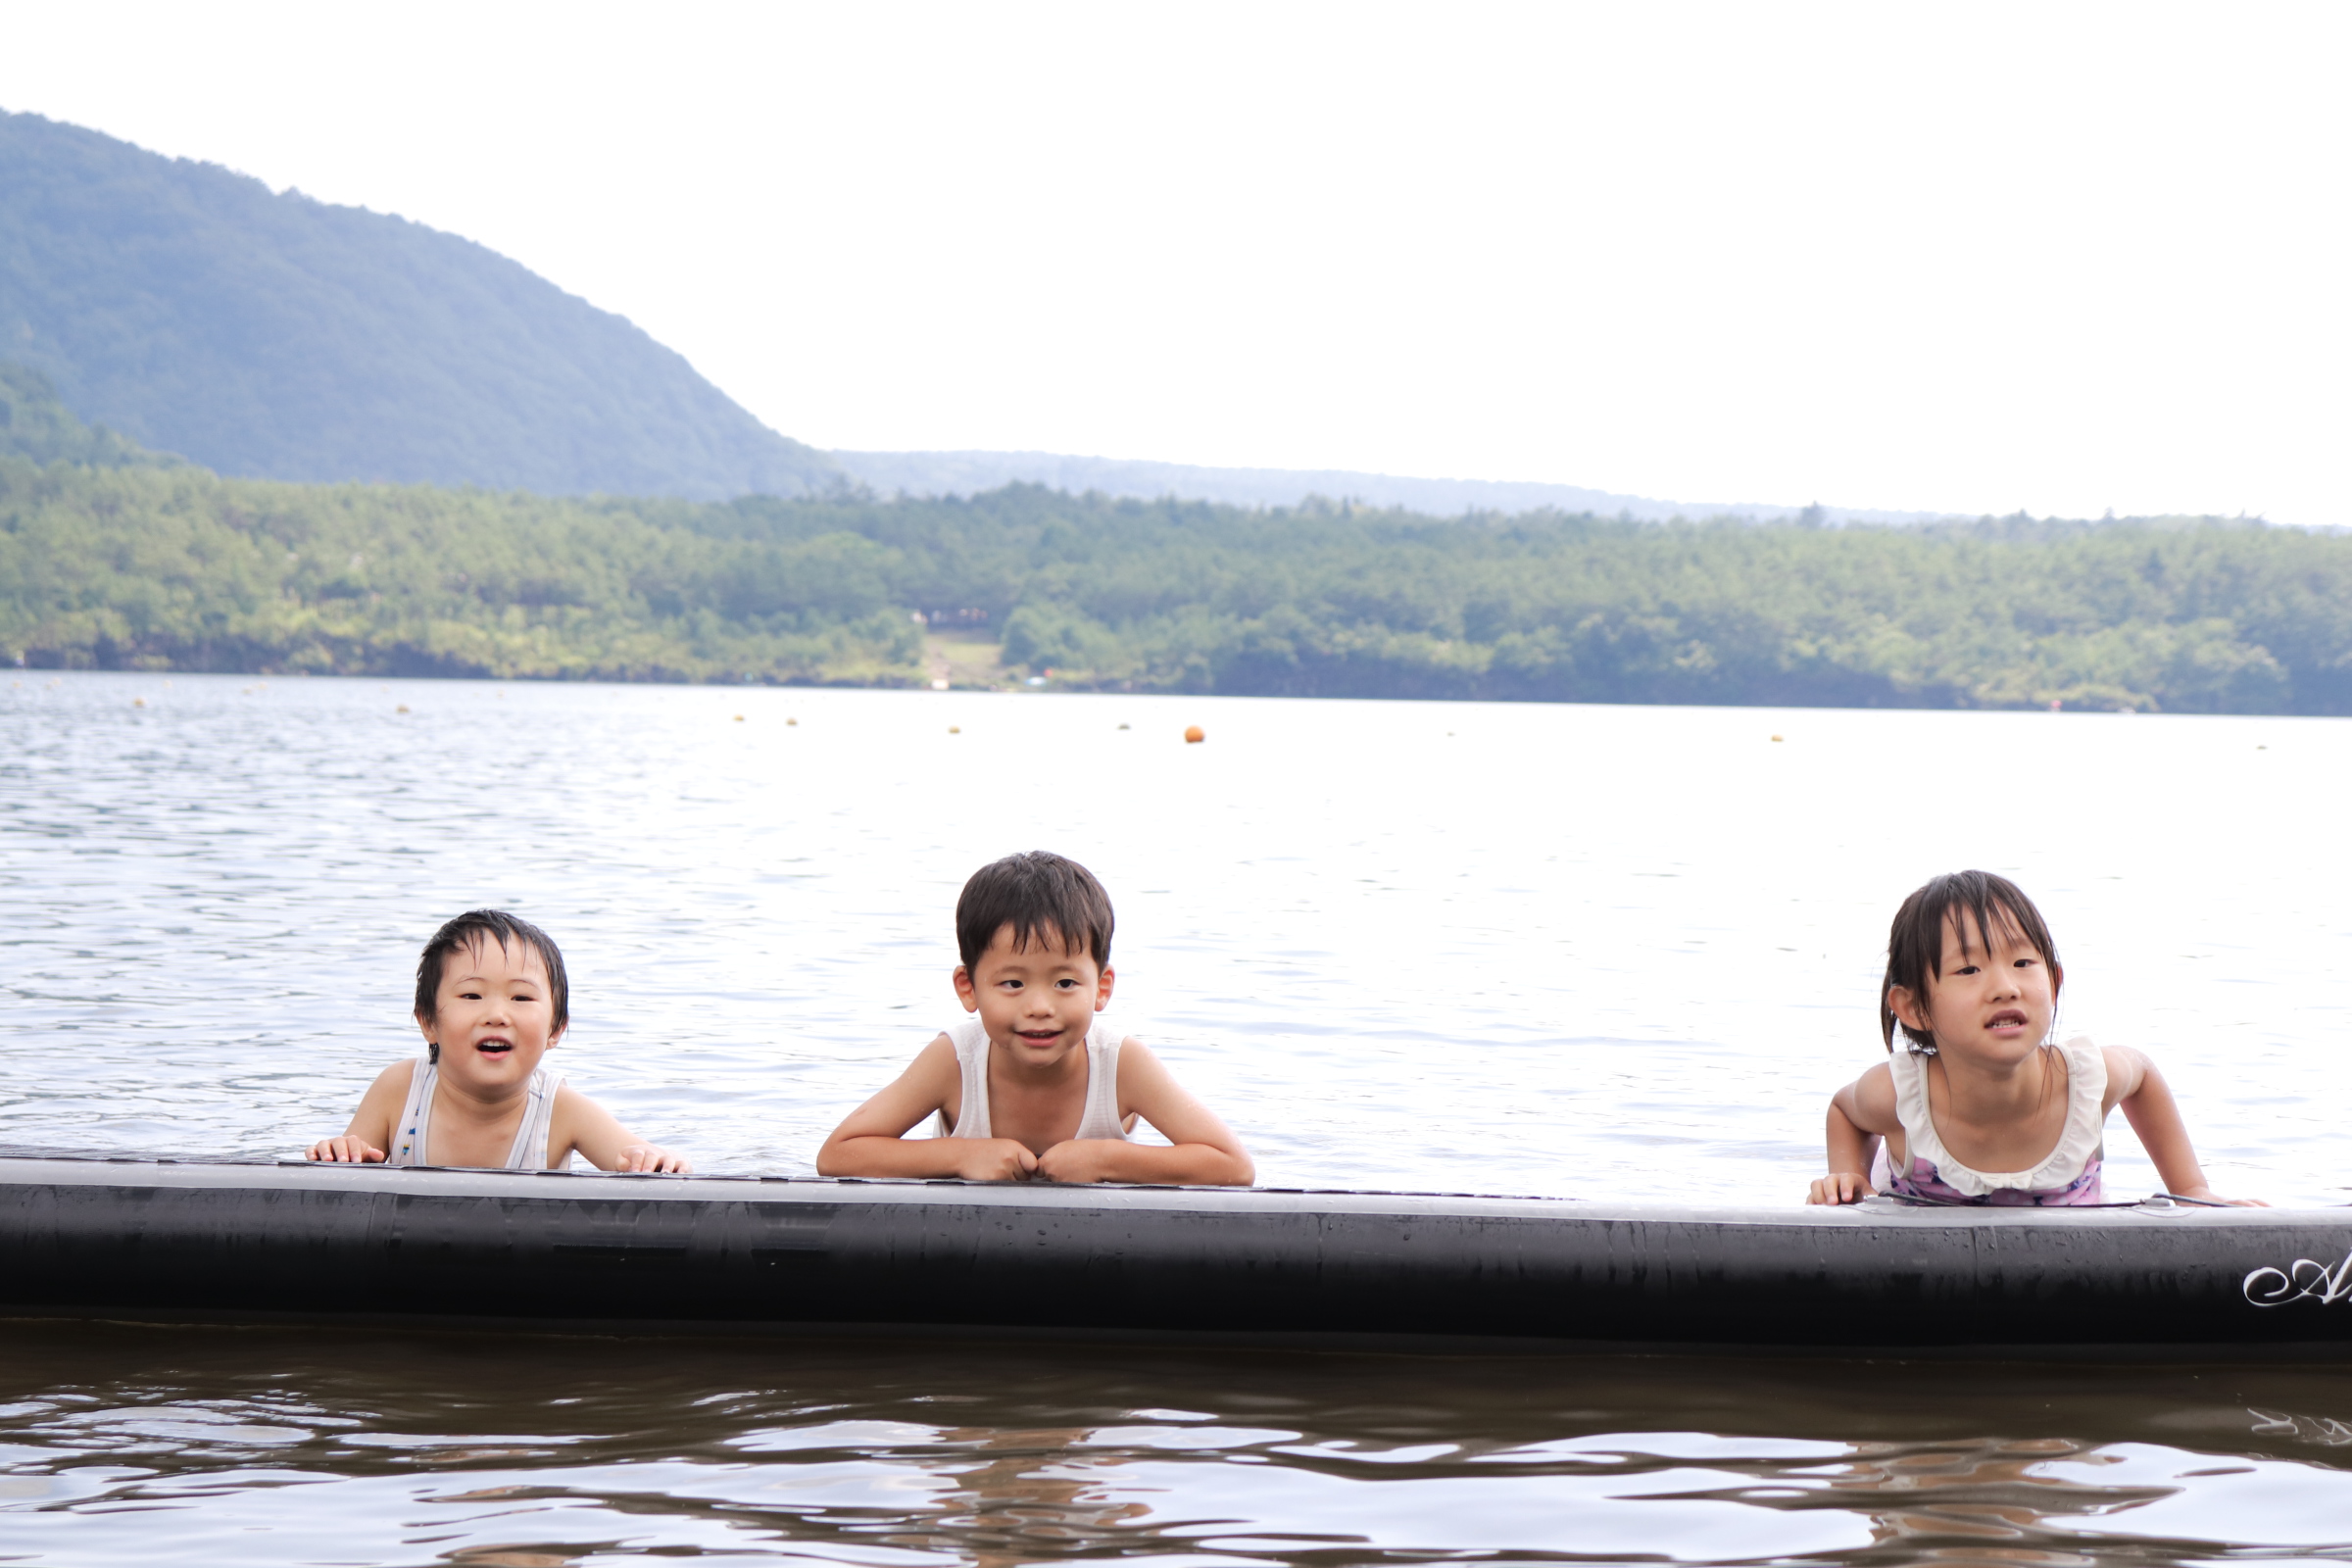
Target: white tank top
{"x": 415, "y": 1127}
{"x": 2081, "y": 1139}
{"x": 1101, "y": 1118}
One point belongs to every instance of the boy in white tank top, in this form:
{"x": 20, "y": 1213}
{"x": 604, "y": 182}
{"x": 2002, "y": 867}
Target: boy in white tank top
{"x": 1033, "y": 1085}
{"x": 492, "y": 999}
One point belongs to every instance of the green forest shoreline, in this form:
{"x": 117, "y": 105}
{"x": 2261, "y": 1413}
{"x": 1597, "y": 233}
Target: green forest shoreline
{"x": 115, "y": 559}
{"x": 176, "y": 569}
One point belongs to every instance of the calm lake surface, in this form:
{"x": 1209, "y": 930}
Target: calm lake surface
{"x": 1592, "y": 952}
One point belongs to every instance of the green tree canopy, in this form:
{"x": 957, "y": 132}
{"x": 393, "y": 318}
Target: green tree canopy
{"x": 174, "y": 568}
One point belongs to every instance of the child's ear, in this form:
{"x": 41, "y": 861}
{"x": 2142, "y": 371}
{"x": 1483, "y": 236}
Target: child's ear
{"x": 1103, "y": 987}
{"x": 1904, "y": 1005}
{"x": 965, "y": 992}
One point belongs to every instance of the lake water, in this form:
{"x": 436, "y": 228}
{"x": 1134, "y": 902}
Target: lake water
{"x": 1591, "y": 951}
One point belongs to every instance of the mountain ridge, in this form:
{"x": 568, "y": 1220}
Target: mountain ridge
{"x": 967, "y": 473}
{"x": 271, "y": 335}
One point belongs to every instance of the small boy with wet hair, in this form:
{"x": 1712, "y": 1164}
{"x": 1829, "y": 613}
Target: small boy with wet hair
{"x": 492, "y": 1001}
{"x": 1031, "y": 1085}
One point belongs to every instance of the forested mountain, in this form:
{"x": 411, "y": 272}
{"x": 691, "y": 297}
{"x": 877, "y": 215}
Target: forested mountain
{"x": 176, "y": 569}
{"x": 35, "y": 423}
{"x": 271, "y": 335}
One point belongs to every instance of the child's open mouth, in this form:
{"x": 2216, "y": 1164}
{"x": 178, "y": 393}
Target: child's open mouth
{"x": 2009, "y": 1019}
{"x": 494, "y": 1048}
{"x": 1039, "y": 1037}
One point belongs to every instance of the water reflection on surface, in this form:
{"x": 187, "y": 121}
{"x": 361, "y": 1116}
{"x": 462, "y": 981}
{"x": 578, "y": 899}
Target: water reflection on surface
{"x": 266, "y": 1446}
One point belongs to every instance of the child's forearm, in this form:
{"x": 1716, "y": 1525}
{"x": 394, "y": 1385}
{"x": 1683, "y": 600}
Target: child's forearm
{"x": 2156, "y": 1117}
{"x": 1108, "y": 1160}
{"x": 980, "y": 1159}
{"x": 1850, "y": 1148}
{"x": 1188, "y": 1164}
{"x": 886, "y": 1156}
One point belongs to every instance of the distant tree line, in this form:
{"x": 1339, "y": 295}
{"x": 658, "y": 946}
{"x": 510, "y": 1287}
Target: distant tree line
{"x": 172, "y": 567}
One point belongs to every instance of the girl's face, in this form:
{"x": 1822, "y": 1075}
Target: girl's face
{"x": 1994, "y": 1001}
{"x": 493, "y": 1016}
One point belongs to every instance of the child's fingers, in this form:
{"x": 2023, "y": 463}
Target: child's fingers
{"x": 1845, "y": 1187}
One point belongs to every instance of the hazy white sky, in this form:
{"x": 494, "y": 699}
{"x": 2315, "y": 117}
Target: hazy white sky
{"x": 1982, "y": 257}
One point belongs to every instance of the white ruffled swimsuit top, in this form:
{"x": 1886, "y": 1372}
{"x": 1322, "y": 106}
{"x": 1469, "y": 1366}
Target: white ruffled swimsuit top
{"x": 1101, "y": 1118}
{"x": 2068, "y": 1175}
{"x": 415, "y": 1127}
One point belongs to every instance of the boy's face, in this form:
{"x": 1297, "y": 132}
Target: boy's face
{"x": 1036, "y": 1003}
{"x": 1995, "y": 999}
{"x": 494, "y": 1014}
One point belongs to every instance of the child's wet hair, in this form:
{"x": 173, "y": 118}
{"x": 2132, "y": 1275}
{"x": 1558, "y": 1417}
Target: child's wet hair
{"x": 1980, "y": 904}
{"x": 1033, "y": 891}
{"x": 491, "y": 925}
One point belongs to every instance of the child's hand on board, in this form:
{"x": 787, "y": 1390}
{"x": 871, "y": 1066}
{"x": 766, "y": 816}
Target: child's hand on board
{"x": 346, "y": 1151}
{"x": 651, "y": 1159}
{"x": 995, "y": 1159}
{"x": 1081, "y": 1159}
{"x": 1841, "y": 1187}
{"x": 2206, "y": 1195}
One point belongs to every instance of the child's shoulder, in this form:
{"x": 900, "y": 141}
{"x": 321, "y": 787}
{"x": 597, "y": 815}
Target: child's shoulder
{"x": 1874, "y": 1092}
{"x": 381, "y": 1106}
{"x": 397, "y": 1077}
{"x": 941, "y": 1060}
{"x": 1878, "y": 1075}
{"x": 2125, "y": 1067}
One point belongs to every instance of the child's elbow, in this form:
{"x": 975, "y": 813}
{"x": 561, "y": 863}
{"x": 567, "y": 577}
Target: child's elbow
{"x": 840, "y": 1155}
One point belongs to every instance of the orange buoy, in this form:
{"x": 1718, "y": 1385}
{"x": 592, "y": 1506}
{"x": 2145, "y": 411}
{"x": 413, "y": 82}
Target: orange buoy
{"x": 1194, "y": 735}
{"x": 402, "y": 709}
{"x": 954, "y": 729}
{"x": 738, "y": 718}
{"x": 1776, "y": 736}
{"x": 138, "y": 702}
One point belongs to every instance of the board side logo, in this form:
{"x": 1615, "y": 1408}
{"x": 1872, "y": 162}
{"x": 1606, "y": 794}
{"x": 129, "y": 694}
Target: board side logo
{"x": 2300, "y": 1281}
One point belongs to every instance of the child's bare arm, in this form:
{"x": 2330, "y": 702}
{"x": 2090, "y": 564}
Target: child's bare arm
{"x": 1206, "y": 1151}
{"x": 2134, "y": 1084}
{"x": 369, "y": 1134}
{"x": 871, "y": 1139}
{"x": 1860, "y": 1114}
{"x": 581, "y": 1124}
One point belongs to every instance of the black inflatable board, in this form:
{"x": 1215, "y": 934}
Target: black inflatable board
{"x": 101, "y": 1238}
